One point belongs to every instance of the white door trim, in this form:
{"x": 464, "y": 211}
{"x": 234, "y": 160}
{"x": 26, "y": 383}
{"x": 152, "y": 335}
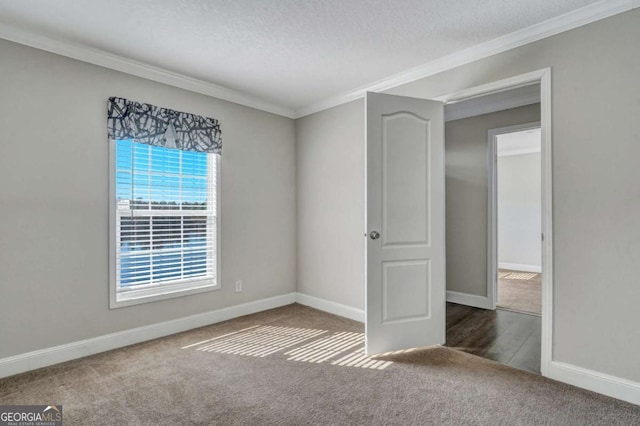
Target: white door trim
{"x": 543, "y": 77}
{"x": 492, "y": 206}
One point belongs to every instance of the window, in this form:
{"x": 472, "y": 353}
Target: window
{"x": 164, "y": 222}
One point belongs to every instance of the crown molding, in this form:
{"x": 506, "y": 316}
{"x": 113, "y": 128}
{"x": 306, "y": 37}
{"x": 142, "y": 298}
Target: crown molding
{"x": 577, "y": 18}
{"x": 136, "y": 68}
{"x": 568, "y": 21}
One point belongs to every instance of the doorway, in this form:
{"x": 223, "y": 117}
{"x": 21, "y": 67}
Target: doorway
{"x": 507, "y": 166}
{"x": 511, "y": 326}
{"x": 389, "y": 282}
{"x": 515, "y": 208}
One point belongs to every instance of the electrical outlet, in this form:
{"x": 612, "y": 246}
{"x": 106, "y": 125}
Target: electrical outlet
{"x": 239, "y": 286}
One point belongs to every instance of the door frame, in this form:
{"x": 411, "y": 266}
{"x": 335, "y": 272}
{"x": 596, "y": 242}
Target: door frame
{"x": 492, "y": 205}
{"x": 542, "y": 77}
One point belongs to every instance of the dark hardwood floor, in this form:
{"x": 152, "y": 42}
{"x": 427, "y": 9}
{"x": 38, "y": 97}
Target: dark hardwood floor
{"x": 508, "y": 337}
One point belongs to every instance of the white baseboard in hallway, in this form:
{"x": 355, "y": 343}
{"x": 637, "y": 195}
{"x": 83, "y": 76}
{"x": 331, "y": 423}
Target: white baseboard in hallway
{"x": 45, "y": 357}
{"x": 520, "y": 267}
{"x": 331, "y": 307}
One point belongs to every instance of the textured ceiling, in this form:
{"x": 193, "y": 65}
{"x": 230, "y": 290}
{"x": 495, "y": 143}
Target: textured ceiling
{"x": 288, "y": 52}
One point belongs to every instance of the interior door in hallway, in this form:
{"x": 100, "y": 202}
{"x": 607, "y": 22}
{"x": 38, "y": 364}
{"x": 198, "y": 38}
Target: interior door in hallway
{"x": 405, "y": 292}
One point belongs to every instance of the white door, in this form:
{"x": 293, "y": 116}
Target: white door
{"x": 405, "y": 291}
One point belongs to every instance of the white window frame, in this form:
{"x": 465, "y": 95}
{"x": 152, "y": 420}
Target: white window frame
{"x": 167, "y": 291}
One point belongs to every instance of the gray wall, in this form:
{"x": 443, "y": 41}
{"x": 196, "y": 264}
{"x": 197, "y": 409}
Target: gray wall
{"x": 330, "y": 167}
{"x": 519, "y": 210}
{"x": 54, "y": 201}
{"x": 596, "y": 147}
{"x": 596, "y": 152}
{"x": 467, "y": 195}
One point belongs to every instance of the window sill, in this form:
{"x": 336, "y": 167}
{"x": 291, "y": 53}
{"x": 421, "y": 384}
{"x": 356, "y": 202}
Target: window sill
{"x": 137, "y": 297}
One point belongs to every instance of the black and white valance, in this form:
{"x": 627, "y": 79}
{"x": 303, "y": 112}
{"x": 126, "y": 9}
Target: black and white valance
{"x": 164, "y": 127}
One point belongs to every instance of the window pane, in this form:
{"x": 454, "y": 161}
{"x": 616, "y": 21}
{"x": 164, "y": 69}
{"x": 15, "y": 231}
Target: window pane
{"x": 195, "y": 232}
{"x": 157, "y": 245}
{"x": 140, "y": 157}
{"x": 165, "y": 160}
{"x": 141, "y": 191}
{"x": 124, "y": 187}
{"x": 134, "y": 234}
{"x": 195, "y": 164}
{"x": 124, "y": 155}
{"x": 165, "y": 191}
{"x": 194, "y": 193}
{"x": 167, "y": 232}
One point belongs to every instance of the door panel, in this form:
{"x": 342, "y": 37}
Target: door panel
{"x": 405, "y": 290}
{"x": 405, "y": 205}
{"x": 405, "y": 201}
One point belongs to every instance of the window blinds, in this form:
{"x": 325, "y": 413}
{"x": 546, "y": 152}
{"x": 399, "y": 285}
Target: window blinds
{"x": 165, "y": 216}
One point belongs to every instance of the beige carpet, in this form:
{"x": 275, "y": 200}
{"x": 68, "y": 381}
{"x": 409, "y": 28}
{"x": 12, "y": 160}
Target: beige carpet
{"x": 520, "y": 291}
{"x": 298, "y": 366}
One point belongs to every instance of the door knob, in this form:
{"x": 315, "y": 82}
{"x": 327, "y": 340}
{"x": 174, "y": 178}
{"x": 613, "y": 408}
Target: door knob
{"x": 374, "y": 235}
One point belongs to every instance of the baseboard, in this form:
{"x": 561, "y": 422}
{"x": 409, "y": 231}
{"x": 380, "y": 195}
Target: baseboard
{"x": 605, "y": 384}
{"x": 330, "y": 307}
{"x": 57, "y": 354}
{"x": 520, "y": 267}
{"x": 469, "y": 300}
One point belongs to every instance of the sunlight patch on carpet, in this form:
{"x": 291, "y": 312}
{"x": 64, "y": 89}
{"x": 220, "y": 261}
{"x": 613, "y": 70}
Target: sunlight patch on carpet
{"x": 360, "y": 359}
{"x": 257, "y": 341}
{"x": 342, "y": 348}
{"x": 321, "y": 350}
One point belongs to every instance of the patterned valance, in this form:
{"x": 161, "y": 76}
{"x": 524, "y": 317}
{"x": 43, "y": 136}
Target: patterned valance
{"x": 164, "y": 127}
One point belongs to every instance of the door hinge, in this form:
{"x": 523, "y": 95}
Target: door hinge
{"x": 542, "y": 235}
